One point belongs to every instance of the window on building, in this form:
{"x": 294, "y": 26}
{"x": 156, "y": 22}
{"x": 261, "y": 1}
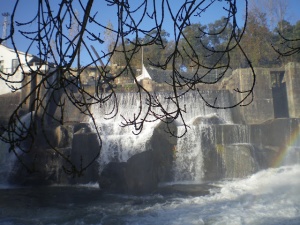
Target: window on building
{"x": 14, "y": 65}
{"x": 1, "y": 65}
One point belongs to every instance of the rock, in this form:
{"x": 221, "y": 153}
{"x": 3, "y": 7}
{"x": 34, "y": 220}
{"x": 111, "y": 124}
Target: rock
{"x": 113, "y": 177}
{"x": 85, "y": 151}
{"x": 82, "y": 128}
{"x": 239, "y": 160}
{"x": 212, "y": 119}
{"x": 143, "y": 172}
{"x": 40, "y": 164}
{"x": 39, "y": 168}
{"x": 64, "y": 136}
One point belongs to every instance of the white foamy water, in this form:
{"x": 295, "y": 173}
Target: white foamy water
{"x": 188, "y": 163}
{"x": 269, "y": 197}
{"x": 120, "y": 143}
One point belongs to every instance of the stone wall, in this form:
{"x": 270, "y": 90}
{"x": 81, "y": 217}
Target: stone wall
{"x": 292, "y": 78}
{"x": 261, "y": 109}
{"x": 73, "y": 148}
{"x": 72, "y": 114}
{"x": 8, "y": 103}
{"x": 147, "y": 84}
{"x": 235, "y": 150}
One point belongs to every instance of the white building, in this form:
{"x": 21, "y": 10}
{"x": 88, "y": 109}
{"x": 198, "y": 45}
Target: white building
{"x": 144, "y": 75}
{"x": 10, "y": 72}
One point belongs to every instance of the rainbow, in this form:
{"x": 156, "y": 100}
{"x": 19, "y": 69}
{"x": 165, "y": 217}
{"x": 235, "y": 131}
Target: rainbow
{"x": 291, "y": 140}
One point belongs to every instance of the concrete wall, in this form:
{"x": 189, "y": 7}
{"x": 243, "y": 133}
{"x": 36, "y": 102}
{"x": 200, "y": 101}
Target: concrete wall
{"x": 261, "y": 109}
{"x": 292, "y": 78}
{"x": 8, "y": 103}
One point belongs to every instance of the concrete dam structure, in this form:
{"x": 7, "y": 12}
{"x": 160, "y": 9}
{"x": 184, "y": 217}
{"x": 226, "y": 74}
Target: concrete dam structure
{"x": 219, "y": 144}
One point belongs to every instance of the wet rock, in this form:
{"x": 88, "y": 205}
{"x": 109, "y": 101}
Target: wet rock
{"x": 48, "y": 161}
{"x": 144, "y": 171}
{"x": 212, "y": 119}
{"x": 64, "y": 136}
{"x": 85, "y": 151}
{"x": 113, "y": 177}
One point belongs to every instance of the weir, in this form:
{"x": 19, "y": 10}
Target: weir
{"x": 215, "y": 147}
{"x": 209, "y": 132}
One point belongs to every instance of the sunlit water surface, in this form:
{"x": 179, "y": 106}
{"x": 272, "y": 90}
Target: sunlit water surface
{"x": 269, "y": 197}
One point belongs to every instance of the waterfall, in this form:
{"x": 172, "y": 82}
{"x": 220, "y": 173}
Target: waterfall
{"x": 119, "y": 143}
{"x": 241, "y": 133}
{"x": 239, "y": 161}
{"x": 189, "y": 159}
{"x": 213, "y": 144}
{"x": 196, "y": 106}
{"x": 188, "y": 165}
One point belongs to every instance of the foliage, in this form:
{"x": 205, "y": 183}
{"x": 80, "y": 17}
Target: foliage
{"x": 287, "y": 42}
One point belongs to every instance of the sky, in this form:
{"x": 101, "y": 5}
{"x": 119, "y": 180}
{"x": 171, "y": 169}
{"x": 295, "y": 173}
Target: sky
{"x": 103, "y": 12}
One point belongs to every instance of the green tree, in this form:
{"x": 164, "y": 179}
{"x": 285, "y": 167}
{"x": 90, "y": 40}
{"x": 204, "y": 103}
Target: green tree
{"x": 286, "y": 41}
{"x": 283, "y": 27}
{"x": 110, "y": 40}
{"x": 193, "y": 45}
{"x": 156, "y": 48}
{"x": 256, "y": 41}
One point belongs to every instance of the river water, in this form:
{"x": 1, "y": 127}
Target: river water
{"x": 270, "y": 196}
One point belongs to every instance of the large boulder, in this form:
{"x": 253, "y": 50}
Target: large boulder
{"x": 84, "y": 154}
{"x": 210, "y": 119}
{"x": 39, "y": 168}
{"x": 54, "y": 152}
{"x": 113, "y": 177}
{"x": 144, "y": 171}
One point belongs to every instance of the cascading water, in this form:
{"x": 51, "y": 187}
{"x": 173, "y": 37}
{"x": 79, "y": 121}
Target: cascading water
{"x": 189, "y": 160}
{"x": 119, "y": 144}
{"x": 188, "y": 164}
{"x": 238, "y": 155}
{"x": 270, "y": 196}
{"x": 213, "y": 148}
